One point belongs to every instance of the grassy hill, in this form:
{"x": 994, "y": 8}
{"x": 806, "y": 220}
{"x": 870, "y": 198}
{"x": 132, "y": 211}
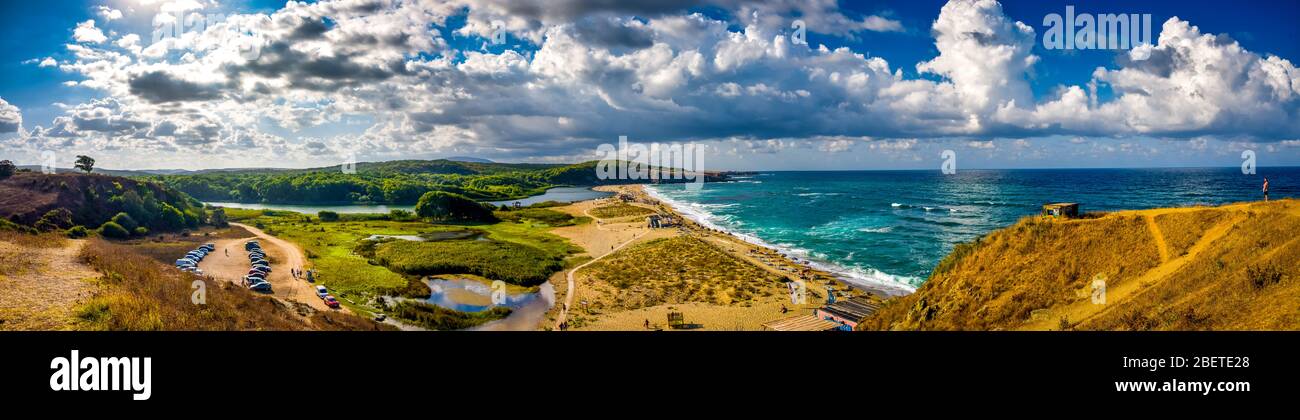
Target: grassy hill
{"x": 90, "y": 200}
{"x": 1232, "y": 267}
{"x": 395, "y": 182}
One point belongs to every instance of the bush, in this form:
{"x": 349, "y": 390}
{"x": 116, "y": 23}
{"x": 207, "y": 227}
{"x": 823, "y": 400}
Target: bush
{"x": 328, "y": 216}
{"x": 445, "y": 206}
{"x": 125, "y": 220}
{"x": 439, "y": 318}
{"x": 113, "y": 230}
{"x": 506, "y": 261}
{"x": 399, "y": 215}
{"x": 1261, "y": 276}
{"x": 59, "y": 218}
{"x": 78, "y": 232}
{"x": 172, "y": 218}
{"x": 7, "y": 169}
{"x": 141, "y": 231}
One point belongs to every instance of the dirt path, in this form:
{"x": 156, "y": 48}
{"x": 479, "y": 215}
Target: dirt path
{"x": 1084, "y": 310}
{"x": 572, "y": 285}
{"x": 1161, "y": 245}
{"x": 43, "y": 286}
{"x": 283, "y": 255}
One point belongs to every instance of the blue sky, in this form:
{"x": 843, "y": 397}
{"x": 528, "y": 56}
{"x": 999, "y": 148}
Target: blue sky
{"x": 880, "y": 85}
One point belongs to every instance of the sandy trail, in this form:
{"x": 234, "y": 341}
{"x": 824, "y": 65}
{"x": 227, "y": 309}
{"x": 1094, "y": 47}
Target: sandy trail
{"x": 571, "y": 290}
{"x": 1081, "y": 311}
{"x": 283, "y": 256}
{"x": 43, "y": 286}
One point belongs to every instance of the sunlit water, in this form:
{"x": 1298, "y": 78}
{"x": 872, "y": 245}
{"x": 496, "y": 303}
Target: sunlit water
{"x": 891, "y": 227}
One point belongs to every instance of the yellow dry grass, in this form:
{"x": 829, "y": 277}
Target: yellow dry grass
{"x": 1229, "y": 267}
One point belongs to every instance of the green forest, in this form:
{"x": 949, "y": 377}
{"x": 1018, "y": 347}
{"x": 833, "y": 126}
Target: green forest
{"x": 399, "y": 182}
{"x": 395, "y": 182}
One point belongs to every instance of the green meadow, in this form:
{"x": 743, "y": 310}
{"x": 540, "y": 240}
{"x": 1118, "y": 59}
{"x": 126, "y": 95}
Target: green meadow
{"x": 518, "y": 250}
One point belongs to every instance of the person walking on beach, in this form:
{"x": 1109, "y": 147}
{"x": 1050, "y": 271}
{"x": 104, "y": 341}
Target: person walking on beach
{"x": 1265, "y": 189}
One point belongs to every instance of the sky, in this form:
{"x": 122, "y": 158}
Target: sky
{"x": 757, "y": 85}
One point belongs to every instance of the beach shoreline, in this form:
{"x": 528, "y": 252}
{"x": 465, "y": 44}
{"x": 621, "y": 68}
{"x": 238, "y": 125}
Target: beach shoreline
{"x": 841, "y": 275}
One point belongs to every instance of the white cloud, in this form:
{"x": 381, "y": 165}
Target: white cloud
{"x": 87, "y": 32}
{"x": 668, "y": 75}
{"x": 11, "y": 118}
{"x": 109, "y": 14}
{"x": 881, "y": 24}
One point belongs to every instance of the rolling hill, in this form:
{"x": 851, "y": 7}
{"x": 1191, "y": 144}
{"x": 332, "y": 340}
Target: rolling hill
{"x": 1233, "y": 267}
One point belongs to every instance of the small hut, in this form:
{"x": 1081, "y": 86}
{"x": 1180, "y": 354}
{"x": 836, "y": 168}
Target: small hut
{"x": 1059, "y": 210}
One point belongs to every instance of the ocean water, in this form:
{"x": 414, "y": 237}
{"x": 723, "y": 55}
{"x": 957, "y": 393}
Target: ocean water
{"x": 889, "y": 228}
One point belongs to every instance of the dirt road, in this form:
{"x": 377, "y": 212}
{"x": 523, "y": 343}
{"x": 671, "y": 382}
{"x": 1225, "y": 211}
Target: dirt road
{"x": 42, "y": 286}
{"x": 283, "y": 256}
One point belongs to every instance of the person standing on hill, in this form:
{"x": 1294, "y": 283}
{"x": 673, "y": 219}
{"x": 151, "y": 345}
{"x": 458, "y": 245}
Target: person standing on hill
{"x": 1265, "y": 189}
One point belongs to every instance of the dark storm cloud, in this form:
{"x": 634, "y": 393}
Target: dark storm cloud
{"x": 160, "y": 87}
{"x": 611, "y": 33}
{"x": 304, "y": 71}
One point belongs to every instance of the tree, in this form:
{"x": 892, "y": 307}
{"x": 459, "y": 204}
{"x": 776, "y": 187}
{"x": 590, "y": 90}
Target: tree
{"x": 7, "y": 169}
{"x": 218, "y": 217}
{"x": 85, "y": 163}
{"x": 328, "y": 216}
{"x": 445, "y": 206}
{"x": 172, "y": 219}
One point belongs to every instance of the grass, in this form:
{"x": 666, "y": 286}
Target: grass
{"x": 998, "y": 281}
{"x": 544, "y": 216}
{"x": 619, "y": 210}
{"x": 438, "y": 318}
{"x": 1243, "y": 280}
{"x": 1246, "y": 280}
{"x": 142, "y": 294}
{"x": 506, "y": 261}
{"x": 1181, "y": 230}
{"x": 329, "y": 249}
{"x": 351, "y": 271}
{"x": 676, "y": 270}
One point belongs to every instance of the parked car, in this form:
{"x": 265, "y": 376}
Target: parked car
{"x": 321, "y": 292}
{"x": 331, "y": 302}
{"x": 260, "y": 286}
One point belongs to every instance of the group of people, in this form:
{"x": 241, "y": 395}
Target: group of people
{"x": 299, "y": 273}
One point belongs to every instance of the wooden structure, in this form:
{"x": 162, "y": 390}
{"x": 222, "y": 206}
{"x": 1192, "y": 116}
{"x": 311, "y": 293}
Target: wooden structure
{"x": 676, "y": 320}
{"x": 801, "y": 323}
{"x": 848, "y": 313}
{"x": 1061, "y": 210}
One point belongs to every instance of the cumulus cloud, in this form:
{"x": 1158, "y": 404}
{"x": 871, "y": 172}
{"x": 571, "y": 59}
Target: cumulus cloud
{"x": 652, "y": 70}
{"x": 11, "y": 118}
{"x": 87, "y": 32}
{"x": 109, "y": 14}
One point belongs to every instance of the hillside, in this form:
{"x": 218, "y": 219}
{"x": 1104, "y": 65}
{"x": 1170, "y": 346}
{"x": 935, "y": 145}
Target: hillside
{"x": 90, "y": 200}
{"x": 1232, "y": 267}
{"x": 394, "y": 182}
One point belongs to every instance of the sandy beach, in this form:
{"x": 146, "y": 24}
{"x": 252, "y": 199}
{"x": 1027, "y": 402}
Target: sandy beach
{"x": 602, "y": 236}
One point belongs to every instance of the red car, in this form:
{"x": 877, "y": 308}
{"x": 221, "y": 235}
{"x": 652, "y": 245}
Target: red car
{"x": 331, "y": 302}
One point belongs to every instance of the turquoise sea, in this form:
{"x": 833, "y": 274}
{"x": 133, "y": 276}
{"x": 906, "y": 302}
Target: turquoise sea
{"x": 889, "y": 228}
